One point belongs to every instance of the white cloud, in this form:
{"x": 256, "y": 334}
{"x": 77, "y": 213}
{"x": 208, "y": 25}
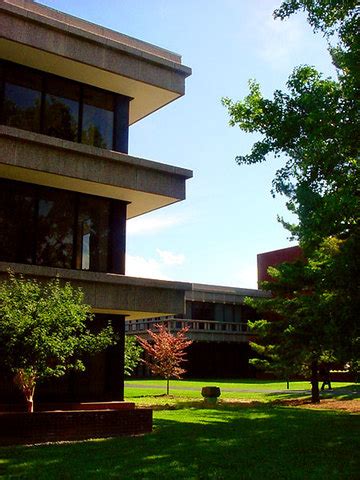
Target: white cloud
{"x": 144, "y": 268}
{"x": 170, "y": 258}
{"x": 137, "y": 266}
{"x": 151, "y": 224}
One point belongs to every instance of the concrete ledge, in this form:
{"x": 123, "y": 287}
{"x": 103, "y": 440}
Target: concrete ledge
{"x": 37, "y": 158}
{"x": 216, "y": 293}
{"x": 111, "y": 293}
{"x": 41, "y": 427}
{"x": 78, "y": 23}
{"x": 48, "y": 40}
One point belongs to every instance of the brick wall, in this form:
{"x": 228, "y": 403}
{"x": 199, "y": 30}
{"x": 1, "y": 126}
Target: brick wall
{"x": 40, "y": 427}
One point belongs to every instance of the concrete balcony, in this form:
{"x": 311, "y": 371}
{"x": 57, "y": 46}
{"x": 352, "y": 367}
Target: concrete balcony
{"x": 35, "y": 158}
{"x": 113, "y": 294}
{"x": 46, "y": 39}
{"x": 199, "y": 330}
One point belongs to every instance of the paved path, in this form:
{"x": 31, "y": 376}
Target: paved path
{"x": 229, "y": 389}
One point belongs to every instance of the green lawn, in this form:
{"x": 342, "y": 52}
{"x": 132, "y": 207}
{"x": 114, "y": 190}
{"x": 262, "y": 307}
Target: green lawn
{"x": 263, "y": 442}
{"x": 145, "y": 393}
{"x": 231, "y": 441}
{"x": 229, "y": 384}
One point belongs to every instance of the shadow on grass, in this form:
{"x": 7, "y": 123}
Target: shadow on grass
{"x": 351, "y": 392}
{"x": 225, "y": 443}
{"x": 177, "y": 401}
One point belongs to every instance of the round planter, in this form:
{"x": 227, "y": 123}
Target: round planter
{"x": 210, "y": 394}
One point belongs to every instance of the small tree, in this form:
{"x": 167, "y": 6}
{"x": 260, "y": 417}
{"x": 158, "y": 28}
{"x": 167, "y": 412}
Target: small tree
{"x": 166, "y": 352}
{"x": 43, "y": 331}
{"x": 132, "y": 356}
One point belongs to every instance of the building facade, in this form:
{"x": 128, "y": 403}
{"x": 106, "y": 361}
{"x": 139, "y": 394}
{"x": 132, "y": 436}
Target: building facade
{"x": 217, "y": 319}
{"x": 69, "y": 92}
{"x": 274, "y": 258}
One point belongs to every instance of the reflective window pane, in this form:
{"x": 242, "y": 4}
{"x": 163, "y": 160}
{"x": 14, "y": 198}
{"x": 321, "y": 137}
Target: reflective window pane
{"x": 22, "y": 98}
{"x": 37, "y": 226}
{"x": 55, "y": 235}
{"x": 59, "y": 107}
{"x": 62, "y": 109}
{"x": 98, "y": 118}
{"x": 93, "y": 234}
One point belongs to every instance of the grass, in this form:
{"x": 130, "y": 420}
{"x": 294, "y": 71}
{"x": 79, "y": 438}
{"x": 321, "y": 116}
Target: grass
{"x": 228, "y": 443}
{"x": 228, "y": 384}
{"x": 183, "y": 392}
{"x": 231, "y": 441}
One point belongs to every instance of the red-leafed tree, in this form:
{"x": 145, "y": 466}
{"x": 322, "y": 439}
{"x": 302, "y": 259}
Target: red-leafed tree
{"x": 166, "y": 352}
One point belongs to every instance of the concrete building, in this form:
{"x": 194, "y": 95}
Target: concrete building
{"x": 217, "y": 319}
{"x": 69, "y": 92}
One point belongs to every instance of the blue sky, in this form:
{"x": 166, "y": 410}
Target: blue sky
{"x": 229, "y": 215}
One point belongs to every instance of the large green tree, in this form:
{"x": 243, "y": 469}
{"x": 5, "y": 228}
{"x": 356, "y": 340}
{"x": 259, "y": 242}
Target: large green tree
{"x": 44, "y": 331}
{"x": 313, "y": 126}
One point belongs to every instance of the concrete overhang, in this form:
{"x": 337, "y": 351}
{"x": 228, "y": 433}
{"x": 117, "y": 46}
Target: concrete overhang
{"x": 221, "y": 294}
{"x": 55, "y": 42}
{"x": 36, "y": 158}
{"x": 114, "y": 294}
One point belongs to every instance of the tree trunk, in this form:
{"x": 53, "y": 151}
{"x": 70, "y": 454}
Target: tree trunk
{"x": 315, "y": 395}
{"x": 30, "y": 404}
{"x": 29, "y": 395}
{"x": 26, "y": 381}
{"x": 287, "y": 384}
{"x": 167, "y": 386}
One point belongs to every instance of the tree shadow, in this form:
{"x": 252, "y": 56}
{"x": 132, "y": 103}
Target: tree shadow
{"x": 243, "y": 443}
{"x": 350, "y": 392}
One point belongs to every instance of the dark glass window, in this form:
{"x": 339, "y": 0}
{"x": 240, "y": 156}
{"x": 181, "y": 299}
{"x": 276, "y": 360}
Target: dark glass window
{"x": 58, "y": 228}
{"x": 55, "y": 228}
{"x": 17, "y": 210}
{"x": 59, "y": 107}
{"x": 202, "y": 311}
{"x": 237, "y": 313}
{"x": 228, "y": 313}
{"x": 219, "y": 312}
{"x": 93, "y": 234}
{"x": 62, "y": 108}
{"x": 98, "y": 118}
{"x": 22, "y": 98}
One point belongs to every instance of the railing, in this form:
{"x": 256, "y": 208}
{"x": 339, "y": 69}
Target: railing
{"x": 133, "y": 327}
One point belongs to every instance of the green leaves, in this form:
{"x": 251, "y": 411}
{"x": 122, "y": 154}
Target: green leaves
{"x": 44, "y": 328}
{"x": 133, "y": 353}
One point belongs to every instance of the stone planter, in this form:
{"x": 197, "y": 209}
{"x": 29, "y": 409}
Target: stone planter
{"x": 210, "y": 394}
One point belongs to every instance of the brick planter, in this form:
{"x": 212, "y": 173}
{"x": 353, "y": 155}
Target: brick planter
{"x": 54, "y": 426}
